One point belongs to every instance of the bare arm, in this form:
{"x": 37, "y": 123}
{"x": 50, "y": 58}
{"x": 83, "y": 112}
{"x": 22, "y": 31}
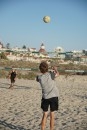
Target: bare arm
{"x": 55, "y": 71}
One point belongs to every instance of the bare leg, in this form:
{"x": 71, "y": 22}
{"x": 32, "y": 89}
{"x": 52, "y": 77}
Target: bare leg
{"x": 51, "y": 120}
{"x": 43, "y": 122}
{"x": 11, "y": 86}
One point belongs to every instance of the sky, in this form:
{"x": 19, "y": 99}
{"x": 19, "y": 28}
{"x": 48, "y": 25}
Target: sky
{"x": 21, "y": 23}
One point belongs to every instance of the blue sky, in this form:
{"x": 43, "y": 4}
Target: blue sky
{"x": 21, "y": 23}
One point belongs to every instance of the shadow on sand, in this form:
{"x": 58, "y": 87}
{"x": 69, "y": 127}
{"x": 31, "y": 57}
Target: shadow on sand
{"x": 4, "y": 124}
{"x": 16, "y": 86}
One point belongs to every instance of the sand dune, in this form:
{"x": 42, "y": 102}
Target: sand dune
{"x": 20, "y": 107}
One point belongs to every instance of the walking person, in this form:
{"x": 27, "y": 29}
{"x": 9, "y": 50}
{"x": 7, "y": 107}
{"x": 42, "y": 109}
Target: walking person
{"x": 49, "y": 94}
{"x": 12, "y": 75}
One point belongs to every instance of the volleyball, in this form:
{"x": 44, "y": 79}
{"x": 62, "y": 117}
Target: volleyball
{"x": 46, "y": 19}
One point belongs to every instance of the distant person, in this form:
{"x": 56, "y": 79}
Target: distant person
{"x": 49, "y": 94}
{"x": 12, "y": 75}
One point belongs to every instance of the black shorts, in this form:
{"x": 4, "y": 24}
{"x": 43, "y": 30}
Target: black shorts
{"x": 52, "y": 102}
{"x": 12, "y": 80}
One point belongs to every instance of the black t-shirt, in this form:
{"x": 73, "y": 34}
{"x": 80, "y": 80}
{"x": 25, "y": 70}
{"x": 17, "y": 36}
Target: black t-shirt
{"x": 13, "y": 74}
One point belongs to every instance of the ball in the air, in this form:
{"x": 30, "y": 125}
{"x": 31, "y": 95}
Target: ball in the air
{"x": 46, "y": 19}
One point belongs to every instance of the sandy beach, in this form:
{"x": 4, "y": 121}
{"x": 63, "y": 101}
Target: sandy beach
{"x": 20, "y": 107}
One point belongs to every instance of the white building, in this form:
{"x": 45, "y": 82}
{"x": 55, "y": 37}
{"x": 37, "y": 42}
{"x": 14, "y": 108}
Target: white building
{"x": 59, "y": 53}
{"x": 59, "y": 49}
{"x": 17, "y": 49}
{"x": 1, "y": 45}
{"x": 77, "y": 53}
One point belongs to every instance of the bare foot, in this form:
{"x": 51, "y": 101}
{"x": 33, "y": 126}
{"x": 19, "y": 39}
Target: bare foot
{"x": 11, "y": 87}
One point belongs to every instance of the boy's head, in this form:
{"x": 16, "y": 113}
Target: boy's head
{"x": 43, "y": 67}
{"x": 13, "y": 69}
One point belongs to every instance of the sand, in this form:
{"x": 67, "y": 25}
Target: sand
{"x": 20, "y": 107}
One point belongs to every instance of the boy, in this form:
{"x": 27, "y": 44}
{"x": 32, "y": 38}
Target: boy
{"x": 12, "y": 76}
{"x": 49, "y": 94}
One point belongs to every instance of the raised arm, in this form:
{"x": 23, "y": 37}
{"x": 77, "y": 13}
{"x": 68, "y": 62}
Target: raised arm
{"x": 55, "y": 70}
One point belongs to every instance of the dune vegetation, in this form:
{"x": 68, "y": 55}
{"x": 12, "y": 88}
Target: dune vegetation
{"x": 24, "y": 66}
